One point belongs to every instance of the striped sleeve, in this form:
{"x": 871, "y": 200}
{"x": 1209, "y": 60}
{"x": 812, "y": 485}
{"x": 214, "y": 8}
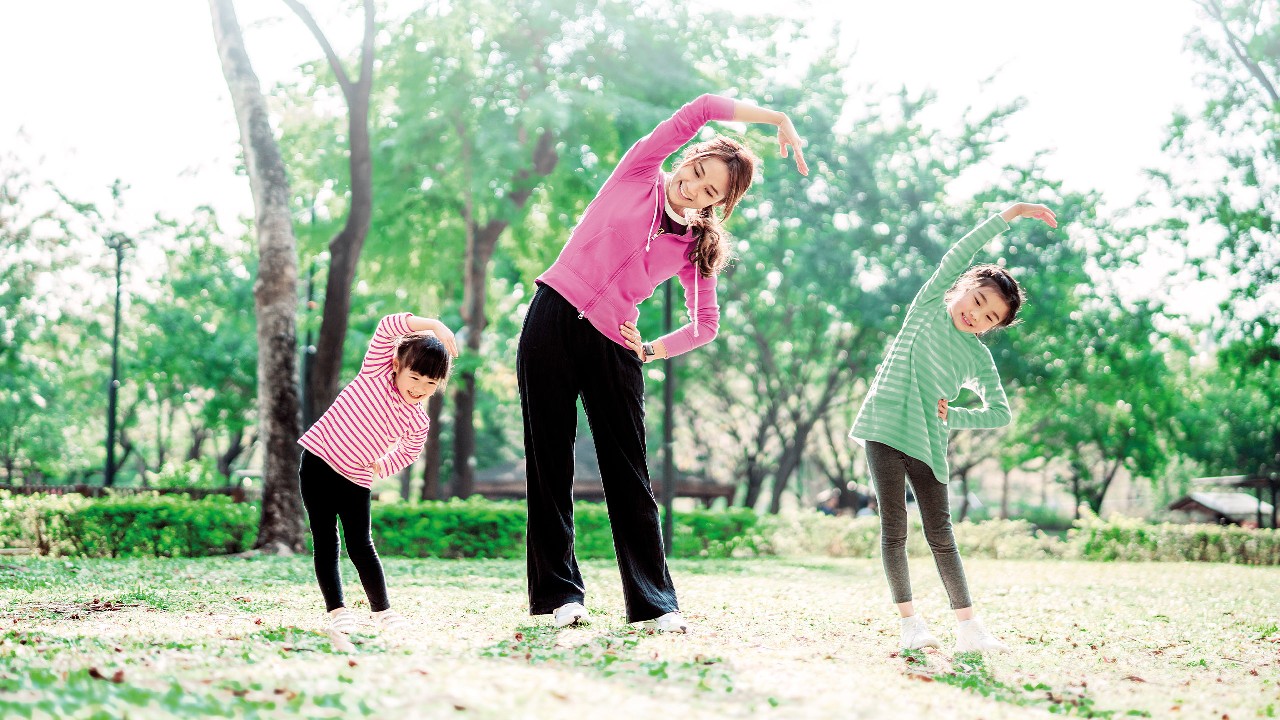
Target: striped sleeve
{"x": 404, "y": 452}
{"x": 958, "y": 259}
{"x": 383, "y": 343}
{"x": 994, "y": 412}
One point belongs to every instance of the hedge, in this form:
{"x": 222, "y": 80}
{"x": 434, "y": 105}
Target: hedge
{"x": 176, "y": 526}
{"x": 126, "y": 526}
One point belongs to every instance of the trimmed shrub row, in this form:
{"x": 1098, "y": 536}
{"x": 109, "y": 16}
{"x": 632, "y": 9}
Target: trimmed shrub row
{"x": 126, "y": 526}
{"x": 175, "y": 526}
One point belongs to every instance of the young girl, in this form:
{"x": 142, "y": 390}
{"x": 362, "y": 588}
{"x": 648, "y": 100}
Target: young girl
{"x": 580, "y": 339}
{"x": 375, "y": 428}
{"x": 905, "y": 419}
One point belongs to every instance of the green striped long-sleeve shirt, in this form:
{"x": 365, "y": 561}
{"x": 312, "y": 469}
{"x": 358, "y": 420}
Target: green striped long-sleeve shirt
{"x": 929, "y": 360}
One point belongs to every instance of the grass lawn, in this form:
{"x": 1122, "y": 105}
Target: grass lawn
{"x": 779, "y": 638}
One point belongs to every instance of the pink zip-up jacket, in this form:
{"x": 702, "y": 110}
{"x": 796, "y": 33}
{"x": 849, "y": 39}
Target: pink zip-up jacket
{"x": 618, "y": 255}
{"x": 370, "y": 420}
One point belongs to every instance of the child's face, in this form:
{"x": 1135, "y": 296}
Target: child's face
{"x": 978, "y": 310}
{"x": 414, "y": 388}
{"x": 697, "y": 184}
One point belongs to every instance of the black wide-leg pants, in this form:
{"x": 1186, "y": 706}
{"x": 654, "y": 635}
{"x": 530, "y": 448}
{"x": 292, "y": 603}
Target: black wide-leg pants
{"x": 562, "y": 357}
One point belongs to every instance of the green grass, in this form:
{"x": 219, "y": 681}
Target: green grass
{"x": 781, "y": 638}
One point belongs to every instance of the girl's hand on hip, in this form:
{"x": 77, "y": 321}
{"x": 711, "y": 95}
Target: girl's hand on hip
{"x": 789, "y": 138}
{"x": 942, "y": 409}
{"x": 376, "y": 468}
{"x": 1030, "y": 210}
{"x": 632, "y": 336}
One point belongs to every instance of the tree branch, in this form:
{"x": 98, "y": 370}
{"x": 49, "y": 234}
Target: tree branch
{"x": 1214, "y": 8}
{"x": 334, "y": 64}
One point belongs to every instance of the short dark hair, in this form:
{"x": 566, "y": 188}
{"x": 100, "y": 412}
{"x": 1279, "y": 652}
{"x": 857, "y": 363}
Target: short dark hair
{"x": 424, "y": 354}
{"x": 996, "y": 278}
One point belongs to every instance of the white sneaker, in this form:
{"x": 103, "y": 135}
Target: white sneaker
{"x": 972, "y": 636}
{"x": 570, "y": 614}
{"x": 916, "y": 635}
{"x": 672, "y": 622}
{"x": 342, "y": 621}
{"x": 389, "y": 622}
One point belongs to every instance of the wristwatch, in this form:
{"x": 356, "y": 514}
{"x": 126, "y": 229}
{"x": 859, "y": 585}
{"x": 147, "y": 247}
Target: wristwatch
{"x": 648, "y": 349}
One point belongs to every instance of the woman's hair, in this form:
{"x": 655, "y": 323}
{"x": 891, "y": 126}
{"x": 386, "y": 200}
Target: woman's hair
{"x": 423, "y": 353}
{"x": 711, "y": 253}
{"x": 996, "y": 279}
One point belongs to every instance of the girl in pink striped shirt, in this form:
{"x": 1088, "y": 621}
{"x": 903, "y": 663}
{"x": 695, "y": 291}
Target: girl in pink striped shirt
{"x": 374, "y": 429}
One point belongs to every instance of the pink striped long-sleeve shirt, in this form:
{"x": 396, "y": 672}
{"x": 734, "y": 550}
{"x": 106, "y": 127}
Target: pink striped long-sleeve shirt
{"x": 370, "y": 420}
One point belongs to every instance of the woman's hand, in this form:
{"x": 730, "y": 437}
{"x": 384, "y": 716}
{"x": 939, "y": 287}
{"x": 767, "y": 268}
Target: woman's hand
{"x": 789, "y": 138}
{"x": 632, "y": 336}
{"x": 942, "y": 409}
{"x": 1030, "y": 210}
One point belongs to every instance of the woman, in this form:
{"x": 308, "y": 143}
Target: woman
{"x": 580, "y": 339}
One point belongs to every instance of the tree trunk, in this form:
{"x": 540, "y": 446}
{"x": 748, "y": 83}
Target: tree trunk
{"x": 406, "y": 481}
{"x": 787, "y": 465}
{"x": 345, "y": 247}
{"x": 755, "y": 483}
{"x": 198, "y": 435}
{"x": 481, "y": 241}
{"x": 1004, "y": 496}
{"x": 234, "y": 450}
{"x": 274, "y": 291}
{"x": 431, "y": 489}
{"x": 964, "y": 496}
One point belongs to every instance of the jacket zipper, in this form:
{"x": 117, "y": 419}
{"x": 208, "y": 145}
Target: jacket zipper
{"x": 647, "y": 244}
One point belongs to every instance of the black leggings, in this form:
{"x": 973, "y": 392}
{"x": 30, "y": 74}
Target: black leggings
{"x": 329, "y": 497}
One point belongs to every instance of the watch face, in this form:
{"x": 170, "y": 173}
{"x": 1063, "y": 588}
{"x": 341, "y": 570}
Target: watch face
{"x": 648, "y": 349}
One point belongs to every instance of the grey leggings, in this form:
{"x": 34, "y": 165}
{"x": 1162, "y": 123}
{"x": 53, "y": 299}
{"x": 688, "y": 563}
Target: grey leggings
{"x": 889, "y": 467}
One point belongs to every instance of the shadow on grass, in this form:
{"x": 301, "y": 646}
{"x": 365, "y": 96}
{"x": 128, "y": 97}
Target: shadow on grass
{"x": 612, "y": 652}
{"x": 971, "y": 672}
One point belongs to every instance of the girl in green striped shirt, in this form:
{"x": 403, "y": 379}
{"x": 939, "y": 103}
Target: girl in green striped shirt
{"x": 905, "y": 419}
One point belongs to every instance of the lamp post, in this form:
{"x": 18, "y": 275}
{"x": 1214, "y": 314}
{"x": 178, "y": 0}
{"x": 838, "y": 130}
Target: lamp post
{"x": 668, "y": 426}
{"x": 116, "y": 242}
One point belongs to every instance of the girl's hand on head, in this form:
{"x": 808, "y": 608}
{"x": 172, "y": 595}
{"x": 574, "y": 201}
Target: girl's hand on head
{"x": 632, "y": 336}
{"x": 443, "y": 332}
{"x": 1030, "y": 210}
{"x": 942, "y": 409}
{"x": 789, "y": 138}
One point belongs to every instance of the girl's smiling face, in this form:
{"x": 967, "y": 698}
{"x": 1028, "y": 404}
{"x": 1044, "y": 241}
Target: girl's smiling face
{"x": 978, "y": 310}
{"x": 413, "y": 388}
{"x": 697, "y": 184}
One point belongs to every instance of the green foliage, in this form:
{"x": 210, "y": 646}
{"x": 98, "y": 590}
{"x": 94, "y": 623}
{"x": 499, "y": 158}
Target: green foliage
{"x": 483, "y": 528}
{"x": 127, "y": 526}
{"x": 1132, "y": 539}
{"x": 801, "y": 534}
{"x": 202, "y": 473}
{"x": 452, "y": 529}
{"x": 805, "y": 534}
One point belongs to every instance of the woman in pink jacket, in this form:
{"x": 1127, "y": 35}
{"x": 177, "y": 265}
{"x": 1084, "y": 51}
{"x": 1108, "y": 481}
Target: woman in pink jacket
{"x": 580, "y": 340}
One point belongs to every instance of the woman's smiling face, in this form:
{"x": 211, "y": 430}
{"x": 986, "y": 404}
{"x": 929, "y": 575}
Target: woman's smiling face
{"x": 697, "y": 184}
